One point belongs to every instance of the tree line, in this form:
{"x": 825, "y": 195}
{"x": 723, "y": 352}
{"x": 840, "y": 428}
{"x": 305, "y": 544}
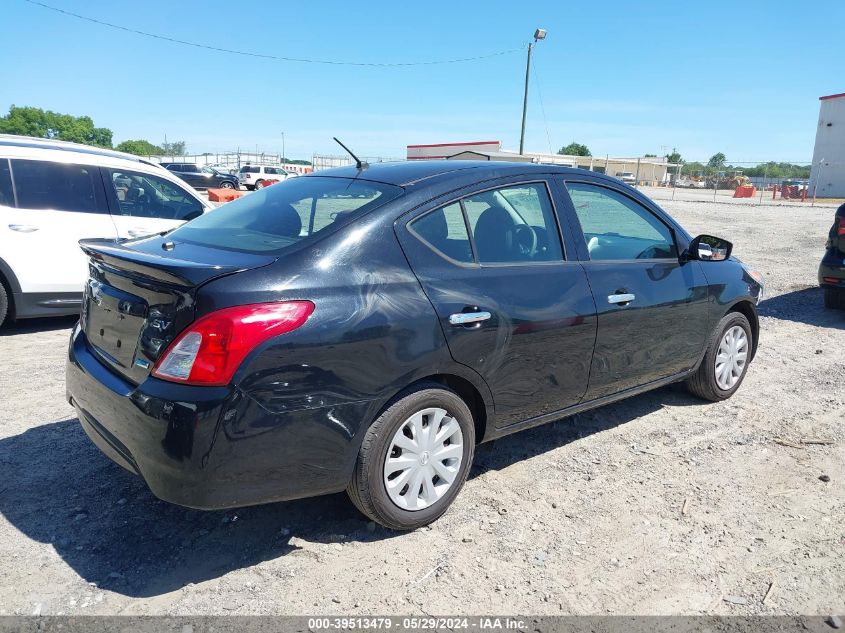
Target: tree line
{"x": 718, "y": 162}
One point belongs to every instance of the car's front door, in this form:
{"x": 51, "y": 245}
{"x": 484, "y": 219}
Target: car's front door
{"x": 511, "y": 306}
{"x": 652, "y": 308}
{"x": 143, "y": 204}
{"x": 54, "y": 206}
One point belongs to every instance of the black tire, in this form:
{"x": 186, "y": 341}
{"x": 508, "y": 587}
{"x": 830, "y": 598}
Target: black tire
{"x": 834, "y": 298}
{"x": 227, "y": 185}
{"x": 4, "y": 304}
{"x": 703, "y": 382}
{"x": 259, "y": 185}
{"x": 367, "y": 489}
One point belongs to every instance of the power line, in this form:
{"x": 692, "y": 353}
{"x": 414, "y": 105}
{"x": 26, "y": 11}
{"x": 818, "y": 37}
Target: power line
{"x": 280, "y": 58}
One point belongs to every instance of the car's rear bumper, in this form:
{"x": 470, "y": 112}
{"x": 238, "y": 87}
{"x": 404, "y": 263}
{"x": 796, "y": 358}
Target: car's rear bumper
{"x": 209, "y": 448}
{"x": 832, "y": 269}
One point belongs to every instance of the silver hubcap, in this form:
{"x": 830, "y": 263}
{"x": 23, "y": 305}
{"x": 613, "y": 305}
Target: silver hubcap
{"x": 731, "y": 358}
{"x": 423, "y": 459}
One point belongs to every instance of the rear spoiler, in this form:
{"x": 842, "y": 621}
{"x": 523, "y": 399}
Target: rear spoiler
{"x": 204, "y": 264}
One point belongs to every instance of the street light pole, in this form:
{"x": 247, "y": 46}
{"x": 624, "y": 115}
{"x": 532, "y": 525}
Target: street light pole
{"x": 283, "y": 148}
{"x": 539, "y": 34}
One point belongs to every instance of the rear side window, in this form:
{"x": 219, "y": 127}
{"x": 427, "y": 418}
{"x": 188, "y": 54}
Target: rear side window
{"x": 7, "y": 194}
{"x": 146, "y": 196}
{"x": 510, "y": 225}
{"x": 249, "y": 169}
{"x": 276, "y": 217}
{"x": 445, "y": 231}
{"x": 59, "y": 186}
{"x": 514, "y": 224}
{"x": 618, "y": 228}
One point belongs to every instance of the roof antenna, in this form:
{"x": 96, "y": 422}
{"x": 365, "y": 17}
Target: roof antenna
{"x": 360, "y": 164}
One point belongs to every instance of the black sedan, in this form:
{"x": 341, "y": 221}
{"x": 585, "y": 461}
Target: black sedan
{"x": 202, "y": 177}
{"x": 364, "y": 329}
{"x": 832, "y": 267}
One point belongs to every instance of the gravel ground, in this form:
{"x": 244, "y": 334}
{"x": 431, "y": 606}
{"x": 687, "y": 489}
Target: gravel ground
{"x": 660, "y": 504}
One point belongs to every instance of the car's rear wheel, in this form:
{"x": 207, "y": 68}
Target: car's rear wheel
{"x": 4, "y": 304}
{"x": 227, "y": 185}
{"x": 414, "y": 458}
{"x": 725, "y": 363}
{"x": 834, "y": 298}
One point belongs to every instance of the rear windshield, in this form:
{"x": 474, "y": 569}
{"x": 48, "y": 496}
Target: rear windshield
{"x": 285, "y": 213}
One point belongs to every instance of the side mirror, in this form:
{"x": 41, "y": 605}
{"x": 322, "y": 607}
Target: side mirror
{"x": 707, "y": 248}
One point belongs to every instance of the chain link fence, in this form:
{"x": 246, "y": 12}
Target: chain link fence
{"x": 787, "y": 182}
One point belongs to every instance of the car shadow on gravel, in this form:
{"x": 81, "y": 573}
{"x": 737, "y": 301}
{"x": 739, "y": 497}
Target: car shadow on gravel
{"x": 57, "y": 488}
{"x": 803, "y": 306}
{"x": 30, "y": 326}
{"x": 510, "y": 449}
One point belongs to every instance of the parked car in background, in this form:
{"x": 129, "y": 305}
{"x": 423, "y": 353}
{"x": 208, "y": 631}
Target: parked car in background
{"x": 258, "y": 176}
{"x": 364, "y": 329}
{"x": 627, "y": 177}
{"x": 689, "y": 183}
{"x": 202, "y": 177}
{"x": 832, "y": 267}
{"x": 53, "y": 194}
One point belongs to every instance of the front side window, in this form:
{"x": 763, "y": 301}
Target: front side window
{"x": 58, "y": 186}
{"x": 276, "y": 217}
{"x": 618, "y": 228}
{"x": 146, "y": 196}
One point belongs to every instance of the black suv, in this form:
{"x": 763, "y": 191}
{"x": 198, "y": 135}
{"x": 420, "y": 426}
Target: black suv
{"x": 832, "y": 268}
{"x": 364, "y": 329}
{"x": 202, "y": 177}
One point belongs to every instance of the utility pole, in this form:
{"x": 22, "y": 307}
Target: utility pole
{"x": 539, "y": 34}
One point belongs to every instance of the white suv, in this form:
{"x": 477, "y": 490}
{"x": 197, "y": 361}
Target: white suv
{"x": 257, "y": 176}
{"x": 53, "y": 194}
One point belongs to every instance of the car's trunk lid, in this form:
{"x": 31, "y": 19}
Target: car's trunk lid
{"x": 140, "y": 294}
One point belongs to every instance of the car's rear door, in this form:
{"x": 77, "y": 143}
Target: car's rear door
{"x": 511, "y": 305}
{"x": 651, "y": 307}
{"x": 143, "y": 203}
{"x": 55, "y": 205}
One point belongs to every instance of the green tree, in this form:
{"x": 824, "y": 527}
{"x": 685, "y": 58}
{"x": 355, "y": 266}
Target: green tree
{"x": 139, "y": 148}
{"x": 173, "y": 148}
{"x": 650, "y": 156}
{"x": 29, "y": 121}
{"x": 674, "y": 157}
{"x": 575, "y": 149}
{"x": 717, "y": 161}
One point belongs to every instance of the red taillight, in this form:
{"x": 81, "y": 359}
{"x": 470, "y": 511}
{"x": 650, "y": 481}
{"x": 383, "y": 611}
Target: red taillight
{"x": 211, "y": 350}
{"x": 841, "y": 228}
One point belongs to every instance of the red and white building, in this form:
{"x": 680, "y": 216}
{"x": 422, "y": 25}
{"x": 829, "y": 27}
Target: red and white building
{"x": 647, "y": 170}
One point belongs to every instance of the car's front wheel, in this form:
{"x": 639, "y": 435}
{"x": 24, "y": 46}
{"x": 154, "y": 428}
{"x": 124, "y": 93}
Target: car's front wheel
{"x": 834, "y": 298}
{"x": 725, "y": 362}
{"x": 414, "y": 458}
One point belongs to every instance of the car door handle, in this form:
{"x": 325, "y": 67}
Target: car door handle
{"x": 23, "y": 228}
{"x": 623, "y": 298}
{"x": 468, "y": 318}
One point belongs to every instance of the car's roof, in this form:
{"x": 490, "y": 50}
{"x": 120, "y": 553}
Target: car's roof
{"x": 32, "y": 142}
{"x": 410, "y": 172}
